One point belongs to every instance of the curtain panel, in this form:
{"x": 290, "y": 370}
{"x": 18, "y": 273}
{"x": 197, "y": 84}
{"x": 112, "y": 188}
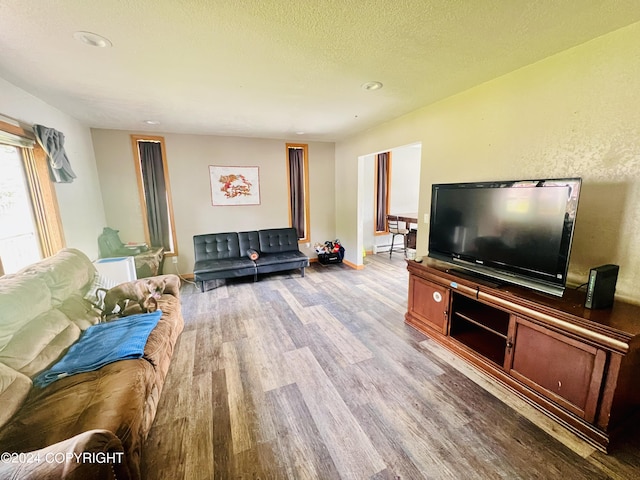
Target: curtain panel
{"x": 382, "y": 191}
{"x": 296, "y": 187}
{"x": 52, "y": 142}
{"x": 155, "y": 192}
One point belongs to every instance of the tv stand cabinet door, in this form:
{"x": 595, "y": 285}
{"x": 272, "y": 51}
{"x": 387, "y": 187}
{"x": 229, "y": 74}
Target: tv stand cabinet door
{"x": 428, "y": 305}
{"x": 564, "y": 370}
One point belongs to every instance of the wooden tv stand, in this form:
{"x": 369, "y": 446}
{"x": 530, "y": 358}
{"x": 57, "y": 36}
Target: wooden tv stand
{"x": 579, "y": 366}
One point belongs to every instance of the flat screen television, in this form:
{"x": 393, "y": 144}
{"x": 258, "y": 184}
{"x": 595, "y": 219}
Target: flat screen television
{"x": 513, "y": 231}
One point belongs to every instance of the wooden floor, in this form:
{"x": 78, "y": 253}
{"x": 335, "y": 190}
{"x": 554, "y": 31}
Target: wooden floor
{"x": 319, "y": 378}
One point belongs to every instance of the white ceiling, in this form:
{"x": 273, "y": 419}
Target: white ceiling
{"x": 273, "y": 68}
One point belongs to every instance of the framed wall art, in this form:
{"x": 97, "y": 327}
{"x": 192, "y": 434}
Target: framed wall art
{"x": 234, "y": 185}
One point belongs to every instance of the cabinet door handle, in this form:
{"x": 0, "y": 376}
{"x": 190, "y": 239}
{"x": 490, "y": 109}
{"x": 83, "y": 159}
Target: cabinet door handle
{"x": 509, "y": 344}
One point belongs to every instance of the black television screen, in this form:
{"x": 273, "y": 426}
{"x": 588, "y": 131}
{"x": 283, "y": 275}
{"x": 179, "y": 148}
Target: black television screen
{"x": 515, "y": 231}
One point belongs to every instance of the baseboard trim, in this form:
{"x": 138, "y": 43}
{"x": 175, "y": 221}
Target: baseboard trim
{"x": 352, "y": 265}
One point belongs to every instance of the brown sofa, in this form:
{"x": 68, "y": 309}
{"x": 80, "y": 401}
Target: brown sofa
{"x": 103, "y": 416}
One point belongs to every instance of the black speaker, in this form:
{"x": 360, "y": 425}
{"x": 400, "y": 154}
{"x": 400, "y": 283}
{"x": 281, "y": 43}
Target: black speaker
{"x": 602, "y": 286}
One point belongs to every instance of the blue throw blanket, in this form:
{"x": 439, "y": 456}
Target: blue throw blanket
{"x": 102, "y": 344}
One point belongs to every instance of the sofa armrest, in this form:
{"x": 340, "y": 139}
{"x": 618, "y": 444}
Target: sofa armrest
{"x": 171, "y": 284}
{"x": 95, "y": 454}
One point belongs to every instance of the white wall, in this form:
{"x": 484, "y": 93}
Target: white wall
{"x": 80, "y": 202}
{"x": 368, "y": 212}
{"x": 573, "y": 114}
{"x": 188, "y": 159}
{"x": 405, "y": 179}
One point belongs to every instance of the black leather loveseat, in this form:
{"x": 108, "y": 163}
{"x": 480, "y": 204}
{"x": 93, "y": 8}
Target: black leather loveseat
{"x": 227, "y": 255}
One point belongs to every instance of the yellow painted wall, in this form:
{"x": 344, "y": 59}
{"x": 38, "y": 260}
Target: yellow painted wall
{"x": 574, "y": 114}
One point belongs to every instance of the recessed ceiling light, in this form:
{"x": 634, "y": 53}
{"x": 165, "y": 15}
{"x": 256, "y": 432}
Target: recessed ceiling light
{"x": 372, "y": 86}
{"x": 299, "y": 133}
{"x": 152, "y": 122}
{"x": 92, "y": 39}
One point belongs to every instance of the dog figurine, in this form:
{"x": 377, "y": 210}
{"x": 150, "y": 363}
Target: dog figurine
{"x": 144, "y": 292}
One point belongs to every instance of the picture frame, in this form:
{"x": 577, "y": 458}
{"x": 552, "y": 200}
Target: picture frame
{"x": 233, "y": 185}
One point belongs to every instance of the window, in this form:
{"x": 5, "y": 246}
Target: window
{"x": 30, "y": 227}
{"x": 19, "y": 244}
{"x": 298, "y": 176}
{"x": 155, "y": 193}
{"x": 382, "y": 185}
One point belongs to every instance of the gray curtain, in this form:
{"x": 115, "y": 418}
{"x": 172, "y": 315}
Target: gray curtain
{"x": 382, "y": 194}
{"x": 296, "y": 186}
{"x": 52, "y": 142}
{"x": 155, "y": 193}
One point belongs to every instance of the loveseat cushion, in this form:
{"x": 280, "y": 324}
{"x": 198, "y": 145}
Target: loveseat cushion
{"x": 249, "y": 241}
{"x": 14, "y": 388}
{"x": 293, "y": 256}
{"x": 275, "y": 262}
{"x": 216, "y": 246}
{"x": 278, "y": 240}
{"x": 224, "y": 268}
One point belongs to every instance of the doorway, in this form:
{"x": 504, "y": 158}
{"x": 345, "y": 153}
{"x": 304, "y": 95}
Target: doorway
{"x": 404, "y": 193}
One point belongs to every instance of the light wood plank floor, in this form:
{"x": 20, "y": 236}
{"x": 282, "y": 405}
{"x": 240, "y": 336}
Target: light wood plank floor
{"x": 319, "y": 378}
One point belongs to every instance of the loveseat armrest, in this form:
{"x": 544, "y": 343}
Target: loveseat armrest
{"x": 95, "y": 454}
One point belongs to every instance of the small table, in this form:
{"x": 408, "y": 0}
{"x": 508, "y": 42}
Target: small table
{"x": 409, "y": 218}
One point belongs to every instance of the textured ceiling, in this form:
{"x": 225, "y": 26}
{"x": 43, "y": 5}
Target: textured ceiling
{"x": 272, "y": 68}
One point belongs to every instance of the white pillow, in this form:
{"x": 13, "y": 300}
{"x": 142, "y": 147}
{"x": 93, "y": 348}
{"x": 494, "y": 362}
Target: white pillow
{"x": 93, "y": 295}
